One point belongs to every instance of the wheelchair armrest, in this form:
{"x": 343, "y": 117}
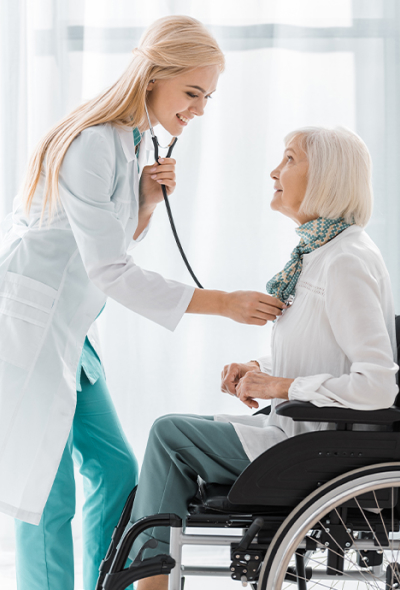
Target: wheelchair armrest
{"x": 266, "y": 411}
{"x": 307, "y": 412}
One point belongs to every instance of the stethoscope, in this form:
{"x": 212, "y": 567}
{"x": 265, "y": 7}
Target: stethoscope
{"x": 164, "y": 192}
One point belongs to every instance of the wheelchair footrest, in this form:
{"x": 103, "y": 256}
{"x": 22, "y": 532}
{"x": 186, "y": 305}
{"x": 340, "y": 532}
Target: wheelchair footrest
{"x": 153, "y": 566}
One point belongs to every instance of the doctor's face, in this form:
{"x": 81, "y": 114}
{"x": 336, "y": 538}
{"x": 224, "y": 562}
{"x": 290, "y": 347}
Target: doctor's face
{"x": 291, "y": 182}
{"x": 174, "y": 102}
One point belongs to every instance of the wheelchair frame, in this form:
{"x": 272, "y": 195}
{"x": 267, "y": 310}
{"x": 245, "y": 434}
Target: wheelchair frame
{"x": 333, "y": 492}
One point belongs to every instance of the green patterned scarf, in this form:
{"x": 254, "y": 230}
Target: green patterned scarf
{"x": 313, "y": 234}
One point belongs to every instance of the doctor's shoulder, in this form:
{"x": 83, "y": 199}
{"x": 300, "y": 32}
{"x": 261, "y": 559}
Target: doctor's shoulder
{"x": 103, "y": 133}
{"x": 95, "y": 146}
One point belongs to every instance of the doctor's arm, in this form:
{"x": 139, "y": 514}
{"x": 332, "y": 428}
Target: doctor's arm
{"x": 86, "y": 186}
{"x": 241, "y": 306}
{"x": 245, "y": 307}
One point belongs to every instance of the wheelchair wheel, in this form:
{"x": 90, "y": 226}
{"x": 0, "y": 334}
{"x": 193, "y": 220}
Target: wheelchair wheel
{"x": 344, "y": 536}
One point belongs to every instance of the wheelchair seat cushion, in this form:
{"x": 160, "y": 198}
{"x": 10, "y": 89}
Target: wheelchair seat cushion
{"x": 212, "y": 497}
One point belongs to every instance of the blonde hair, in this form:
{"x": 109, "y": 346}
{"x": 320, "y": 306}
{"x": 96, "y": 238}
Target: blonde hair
{"x": 339, "y": 175}
{"x": 169, "y": 47}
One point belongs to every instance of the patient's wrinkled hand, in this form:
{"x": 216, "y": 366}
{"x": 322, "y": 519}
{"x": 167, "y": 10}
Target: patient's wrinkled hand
{"x": 255, "y": 384}
{"x": 231, "y": 375}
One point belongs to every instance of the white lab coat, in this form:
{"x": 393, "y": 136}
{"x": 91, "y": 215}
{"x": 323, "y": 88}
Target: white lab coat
{"x": 54, "y": 280}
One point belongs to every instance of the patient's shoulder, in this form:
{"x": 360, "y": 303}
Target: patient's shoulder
{"x": 357, "y": 250}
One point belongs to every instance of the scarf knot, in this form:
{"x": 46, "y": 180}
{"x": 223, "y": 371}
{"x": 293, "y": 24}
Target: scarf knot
{"x": 313, "y": 235}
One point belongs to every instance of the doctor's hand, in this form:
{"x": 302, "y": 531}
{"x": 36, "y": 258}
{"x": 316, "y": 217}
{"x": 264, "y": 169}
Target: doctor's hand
{"x": 150, "y": 193}
{"x": 259, "y": 385}
{"x": 245, "y": 307}
{"x": 251, "y": 307}
{"x": 231, "y": 375}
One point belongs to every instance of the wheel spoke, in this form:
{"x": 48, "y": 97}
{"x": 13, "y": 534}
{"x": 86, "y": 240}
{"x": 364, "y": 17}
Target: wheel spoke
{"x": 345, "y": 575}
{"x": 345, "y": 554}
{"x": 370, "y": 559}
{"x": 375, "y": 537}
{"x": 383, "y": 522}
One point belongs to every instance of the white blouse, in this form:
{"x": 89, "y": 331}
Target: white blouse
{"x": 337, "y": 340}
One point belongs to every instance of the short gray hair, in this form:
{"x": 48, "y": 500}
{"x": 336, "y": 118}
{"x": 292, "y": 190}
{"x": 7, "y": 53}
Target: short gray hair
{"x": 339, "y": 175}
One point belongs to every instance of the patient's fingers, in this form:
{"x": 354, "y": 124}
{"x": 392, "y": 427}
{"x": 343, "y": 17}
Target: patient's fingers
{"x": 231, "y": 375}
{"x": 254, "y": 385}
{"x": 247, "y": 399}
{"x": 230, "y": 378}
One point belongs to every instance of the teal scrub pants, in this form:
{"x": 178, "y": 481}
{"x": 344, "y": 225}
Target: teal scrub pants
{"x": 181, "y": 448}
{"x": 44, "y": 553}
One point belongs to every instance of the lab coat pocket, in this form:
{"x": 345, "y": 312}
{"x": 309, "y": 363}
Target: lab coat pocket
{"x": 25, "y": 307}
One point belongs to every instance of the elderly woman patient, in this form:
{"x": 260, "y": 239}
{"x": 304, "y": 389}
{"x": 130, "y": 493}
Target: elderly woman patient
{"x": 333, "y": 345}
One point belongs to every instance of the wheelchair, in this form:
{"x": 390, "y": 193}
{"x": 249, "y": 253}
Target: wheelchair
{"x": 319, "y": 510}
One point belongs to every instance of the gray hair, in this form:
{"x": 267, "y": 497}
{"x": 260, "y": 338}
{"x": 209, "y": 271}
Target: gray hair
{"x": 339, "y": 174}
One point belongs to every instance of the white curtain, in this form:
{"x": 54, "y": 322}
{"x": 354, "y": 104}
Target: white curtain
{"x": 289, "y": 64}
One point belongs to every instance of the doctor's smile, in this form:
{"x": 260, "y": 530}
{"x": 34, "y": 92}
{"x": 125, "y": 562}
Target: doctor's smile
{"x": 182, "y": 119}
{"x": 174, "y": 102}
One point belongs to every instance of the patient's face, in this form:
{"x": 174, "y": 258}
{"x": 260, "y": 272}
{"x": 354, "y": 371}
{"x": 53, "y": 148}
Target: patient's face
{"x": 291, "y": 182}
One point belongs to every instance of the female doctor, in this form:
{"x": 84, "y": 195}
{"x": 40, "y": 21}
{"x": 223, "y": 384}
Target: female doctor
{"x": 87, "y": 194}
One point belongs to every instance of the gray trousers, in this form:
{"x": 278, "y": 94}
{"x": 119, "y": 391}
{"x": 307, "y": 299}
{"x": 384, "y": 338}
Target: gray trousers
{"x": 180, "y": 448}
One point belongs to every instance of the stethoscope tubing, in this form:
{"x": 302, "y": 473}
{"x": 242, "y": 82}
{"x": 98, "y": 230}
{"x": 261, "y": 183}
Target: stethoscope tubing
{"x": 168, "y": 207}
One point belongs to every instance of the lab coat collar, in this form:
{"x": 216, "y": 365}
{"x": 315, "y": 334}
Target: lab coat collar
{"x": 147, "y": 142}
{"x": 126, "y": 137}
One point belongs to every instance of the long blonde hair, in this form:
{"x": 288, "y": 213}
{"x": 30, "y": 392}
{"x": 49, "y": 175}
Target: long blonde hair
{"x": 169, "y": 47}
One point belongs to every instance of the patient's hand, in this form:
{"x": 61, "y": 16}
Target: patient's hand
{"x": 231, "y": 375}
{"x": 262, "y": 386}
